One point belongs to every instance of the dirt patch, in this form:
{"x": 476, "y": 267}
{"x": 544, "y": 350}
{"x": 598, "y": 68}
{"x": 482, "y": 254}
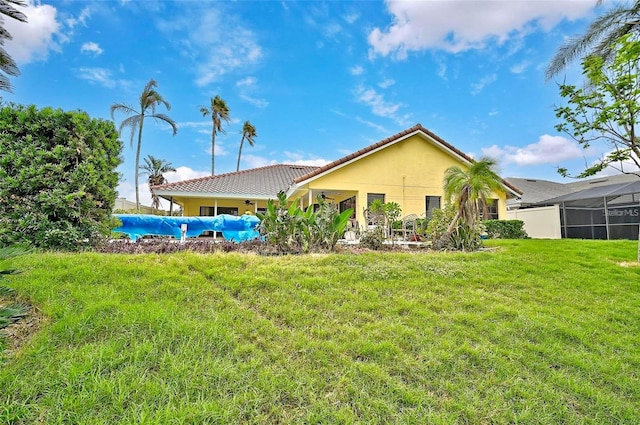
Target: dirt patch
{"x": 17, "y": 334}
{"x": 629, "y": 264}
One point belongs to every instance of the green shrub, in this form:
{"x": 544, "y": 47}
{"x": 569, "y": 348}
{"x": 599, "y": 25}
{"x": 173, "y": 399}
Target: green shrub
{"x": 440, "y": 221}
{"x": 292, "y": 230}
{"x": 57, "y": 177}
{"x": 372, "y": 239}
{"x": 505, "y": 229}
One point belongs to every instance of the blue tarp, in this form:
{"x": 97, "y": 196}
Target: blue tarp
{"x": 237, "y": 229}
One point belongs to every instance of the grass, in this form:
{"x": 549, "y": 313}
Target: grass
{"x": 531, "y": 332}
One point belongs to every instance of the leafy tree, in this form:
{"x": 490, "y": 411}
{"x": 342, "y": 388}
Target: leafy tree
{"x": 155, "y": 168}
{"x": 58, "y": 177}
{"x": 149, "y": 100}
{"x": 606, "y": 109}
{"x": 249, "y": 134}
{"x": 600, "y": 38}
{"x": 470, "y": 190}
{"x": 7, "y": 64}
{"x": 219, "y": 112}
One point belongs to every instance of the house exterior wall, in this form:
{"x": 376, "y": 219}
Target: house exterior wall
{"x": 191, "y": 206}
{"x": 405, "y": 172}
{"x": 539, "y": 223}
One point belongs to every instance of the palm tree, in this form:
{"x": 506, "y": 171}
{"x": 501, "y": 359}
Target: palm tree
{"x": 149, "y": 100}
{"x": 155, "y": 168}
{"x": 600, "y": 37}
{"x": 219, "y": 112}
{"x": 470, "y": 190}
{"x": 248, "y": 134}
{"x": 7, "y": 64}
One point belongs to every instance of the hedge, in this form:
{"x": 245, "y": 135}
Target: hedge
{"x": 57, "y": 177}
{"x": 505, "y": 229}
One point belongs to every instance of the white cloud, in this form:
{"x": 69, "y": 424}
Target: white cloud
{"x": 254, "y": 161}
{"x": 185, "y": 173}
{"x": 356, "y": 70}
{"x": 386, "y": 83}
{"x": 296, "y": 158}
{"x": 547, "y": 150}
{"x": 100, "y": 76}
{"x": 246, "y": 82}
{"x": 91, "y": 47}
{"x": 352, "y": 17}
{"x": 32, "y": 41}
{"x": 519, "y": 68}
{"x": 376, "y": 101}
{"x": 81, "y": 19}
{"x": 218, "y": 42}
{"x": 127, "y": 190}
{"x": 484, "y": 81}
{"x": 373, "y": 125}
{"x": 259, "y": 103}
{"x": 455, "y": 26}
{"x": 493, "y": 113}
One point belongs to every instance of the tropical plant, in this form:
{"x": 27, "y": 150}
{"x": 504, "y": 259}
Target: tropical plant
{"x": 606, "y": 109}
{"x": 469, "y": 190}
{"x": 249, "y": 134}
{"x": 10, "y": 311}
{"x": 600, "y": 38}
{"x": 155, "y": 168}
{"x": 7, "y": 64}
{"x": 149, "y": 100}
{"x": 58, "y": 174}
{"x": 219, "y": 112}
{"x": 290, "y": 229}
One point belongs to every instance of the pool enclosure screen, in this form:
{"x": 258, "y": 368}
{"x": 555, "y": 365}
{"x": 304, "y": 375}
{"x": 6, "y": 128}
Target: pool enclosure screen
{"x": 606, "y": 212}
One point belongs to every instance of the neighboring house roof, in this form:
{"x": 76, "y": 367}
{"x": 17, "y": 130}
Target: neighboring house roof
{"x": 263, "y": 182}
{"x": 536, "y": 190}
{"x": 543, "y": 192}
{"x": 418, "y": 128}
{"x": 599, "y": 191}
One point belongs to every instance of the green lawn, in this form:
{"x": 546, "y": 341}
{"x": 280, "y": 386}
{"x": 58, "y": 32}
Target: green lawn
{"x": 531, "y": 332}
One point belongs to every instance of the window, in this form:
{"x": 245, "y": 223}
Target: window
{"x": 348, "y": 203}
{"x": 207, "y": 211}
{"x": 431, "y": 203}
{"x": 373, "y": 196}
{"x": 491, "y": 210}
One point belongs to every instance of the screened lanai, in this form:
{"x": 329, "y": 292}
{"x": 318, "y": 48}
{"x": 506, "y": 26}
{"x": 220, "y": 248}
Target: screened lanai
{"x": 603, "y": 212}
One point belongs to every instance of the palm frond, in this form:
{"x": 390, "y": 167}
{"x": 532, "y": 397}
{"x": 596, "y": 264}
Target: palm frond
{"x": 8, "y": 10}
{"x": 168, "y": 120}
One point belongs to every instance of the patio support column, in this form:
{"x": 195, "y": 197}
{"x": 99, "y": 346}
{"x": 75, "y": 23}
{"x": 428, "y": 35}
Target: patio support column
{"x": 215, "y": 212}
{"x": 255, "y": 206}
{"x": 171, "y": 205}
{"x": 310, "y": 197}
{"x": 606, "y": 216}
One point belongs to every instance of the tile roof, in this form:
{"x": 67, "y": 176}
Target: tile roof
{"x": 261, "y": 182}
{"x": 389, "y": 140}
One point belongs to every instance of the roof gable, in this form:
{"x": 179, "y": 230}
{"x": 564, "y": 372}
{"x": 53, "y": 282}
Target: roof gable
{"x": 389, "y": 141}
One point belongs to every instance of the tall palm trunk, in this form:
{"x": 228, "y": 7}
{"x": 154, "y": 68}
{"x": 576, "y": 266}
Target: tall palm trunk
{"x": 213, "y": 152}
{"x": 138, "y": 165}
{"x": 239, "y": 153}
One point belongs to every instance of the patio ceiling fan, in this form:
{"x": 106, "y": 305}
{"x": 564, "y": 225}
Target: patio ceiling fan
{"x": 325, "y": 197}
{"x": 248, "y": 202}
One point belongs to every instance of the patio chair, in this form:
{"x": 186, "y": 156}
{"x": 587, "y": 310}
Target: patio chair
{"x": 408, "y": 229}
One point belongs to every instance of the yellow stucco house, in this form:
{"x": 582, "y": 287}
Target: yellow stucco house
{"x": 407, "y": 168}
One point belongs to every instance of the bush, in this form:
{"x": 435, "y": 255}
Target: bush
{"x": 291, "y": 230}
{"x": 440, "y": 221}
{"x": 505, "y": 229}
{"x": 57, "y": 177}
{"x": 372, "y": 239}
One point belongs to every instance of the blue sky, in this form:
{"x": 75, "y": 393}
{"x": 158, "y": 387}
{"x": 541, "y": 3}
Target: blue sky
{"x": 318, "y": 79}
